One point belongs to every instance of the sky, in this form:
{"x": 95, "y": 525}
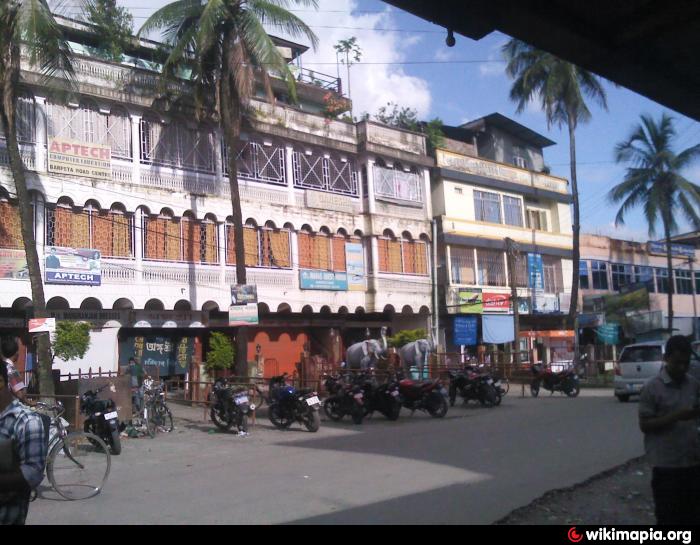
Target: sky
{"x": 405, "y": 60}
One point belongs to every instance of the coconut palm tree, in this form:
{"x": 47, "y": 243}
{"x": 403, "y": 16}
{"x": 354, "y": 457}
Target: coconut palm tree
{"x": 29, "y": 25}
{"x": 224, "y": 45}
{"x": 654, "y": 181}
{"x": 560, "y": 88}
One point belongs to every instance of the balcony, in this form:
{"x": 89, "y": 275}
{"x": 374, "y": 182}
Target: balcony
{"x": 318, "y": 79}
{"x": 387, "y": 137}
{"x": 499, "y": 171}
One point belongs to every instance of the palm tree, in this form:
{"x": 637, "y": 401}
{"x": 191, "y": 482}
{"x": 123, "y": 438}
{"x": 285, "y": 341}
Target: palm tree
{"x": 29, "y": 24}
{"x": 654, "y": 181}
{"x": 560, "y": 87}
{"x": 224, "y": 44}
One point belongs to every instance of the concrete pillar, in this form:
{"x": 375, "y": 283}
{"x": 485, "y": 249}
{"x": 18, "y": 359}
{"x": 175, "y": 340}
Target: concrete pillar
{"x": 221, "y": 240}
{"x": 139, "y": 238}
{"x": 289, "y": 173}
{"x": 136, "y": 148}
{"x": 427, "y": 194}
{"x": 372, "y": 207}
{"x": 40, "y": 121}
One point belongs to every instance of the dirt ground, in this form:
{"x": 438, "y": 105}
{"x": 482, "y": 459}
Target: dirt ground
{"x": 621, "y": 495}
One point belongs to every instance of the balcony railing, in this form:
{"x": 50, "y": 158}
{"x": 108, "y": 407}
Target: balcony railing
{"x": 397, "y": 184}
{"x": 318, "y": 79}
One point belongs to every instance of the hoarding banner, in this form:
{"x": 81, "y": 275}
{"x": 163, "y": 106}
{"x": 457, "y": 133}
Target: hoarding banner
{"x": 470, "y": 301}
{"x": 546, "y": 303}
{"x": 608, "y": 333}
{"x": 13, "y": 264}
{"x": 172, "y": 355}
{"x": 677, "y": 250}
{"x": 80, "y": 159}
{"x": 535, "y": 271}
{"x": 42, "y": 325}
{"x": 355, "y": 264}
{"x": 323, "y": 280}
{"x": 496, "y": 302}
{"x": 242, "y": 295}
{"x": 243, "y": 315}
{"x": 465, "y": 330}
{"x": 72, "y": 267}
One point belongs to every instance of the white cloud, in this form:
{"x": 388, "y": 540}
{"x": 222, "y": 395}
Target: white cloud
{"x": 495, "y": 67}
{"x": 371, "y": 85}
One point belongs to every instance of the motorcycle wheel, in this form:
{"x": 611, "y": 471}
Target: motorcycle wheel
{"x": 276, "y": 417}
{"x": 535, "y": 388}
{"x": 87, "y": 428}
{"x": 573, "y": 389}
{"x": 115, "y": 443}
{"x": 331, "y": 407}
{"x": 499, "y": 397}
{"x": 437, "y": 405}
{"x": 312, "y": 421}
{"x": 219, "y": 422}
{"x": 487, "y": 396}
{"x": 394, "y": 411}
{"x": 358, "y": 414}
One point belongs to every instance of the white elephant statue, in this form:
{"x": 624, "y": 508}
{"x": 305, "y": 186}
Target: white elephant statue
{"x": 365, "y": 354}
{"x": 416, "y": 354}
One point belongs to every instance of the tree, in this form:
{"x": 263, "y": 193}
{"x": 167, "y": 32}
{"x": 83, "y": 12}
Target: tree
{"x": 221, "y": 353}
{"x": 225, "y": 45}
{"x": 71, "y": 341}
{"x": 29, "y": 24}
{"x": 406, "y": 336}
{"x": 114, "y": 25}
{"x": 654, "y": 181}
{"x": 560, "y": 87}
{"x": 407, "y": 118}
{"x": 349, "y": 48}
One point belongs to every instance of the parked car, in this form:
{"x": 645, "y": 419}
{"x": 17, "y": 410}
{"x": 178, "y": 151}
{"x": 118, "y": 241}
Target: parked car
{"x": 637, "y": 364}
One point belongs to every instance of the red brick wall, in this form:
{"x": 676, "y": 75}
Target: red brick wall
{"x": 285, "y": 347}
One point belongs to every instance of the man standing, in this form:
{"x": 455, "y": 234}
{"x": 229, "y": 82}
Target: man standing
{"x": 137, "y": 373}
{"x": 9, "y": 350}
{"x": 22, "y": 433}
{"x": 669, "y": 409}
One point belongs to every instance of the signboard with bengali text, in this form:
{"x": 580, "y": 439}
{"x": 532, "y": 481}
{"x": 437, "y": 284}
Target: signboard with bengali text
{"x": 323, "y": 280}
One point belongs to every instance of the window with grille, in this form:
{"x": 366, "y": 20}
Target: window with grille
{"x": 176, "y": 145}
{"x": 25, "y": 120}
{"x": 583, "y": 279}
{"x": 622, "y": 275}
{"x": 264, "y": 247}
{"x": 491, "y": 267}
{"x": 109, "y": 231}
{"x": 10, "y": 226}
{"x": 645, "y": 275}
{"x": 259, "y": 162}
{"x": 553, "y": 278}
{"x": 400, "y": 256}
{"x": 661, "y": 280}
{"x": 314, "y": 251}
{"x": 537, "y": 220}
{"x": 324, "y": 172}
{"x": 684, "y": 282}
{"x": 487, "y": 206}
{"x": 162, "y": 238}
{"x": 513, "y": 210}
{"x": 462, "y": 265}
{"x": 599, "y": 273}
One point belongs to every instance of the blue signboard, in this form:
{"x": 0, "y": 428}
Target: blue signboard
{"x": 72, "y": 266}
{"x": 465, "y": 330}
{"x": 323, "y": 280}
{"x": 677, "y": 250}
{"x": 535, "y": 271}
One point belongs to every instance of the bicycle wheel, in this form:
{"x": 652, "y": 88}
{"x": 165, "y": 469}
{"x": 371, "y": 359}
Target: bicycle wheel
{"x": 149, "y": 420}
{"x": 78, "y": 466}
{"x": 164, "y": 418}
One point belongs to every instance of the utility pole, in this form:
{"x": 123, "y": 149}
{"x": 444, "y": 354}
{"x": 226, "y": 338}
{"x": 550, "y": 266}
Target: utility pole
{"x": 511, "y": 254}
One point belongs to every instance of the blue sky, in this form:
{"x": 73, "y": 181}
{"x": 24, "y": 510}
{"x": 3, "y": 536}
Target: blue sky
{"x": 456, "y": 92}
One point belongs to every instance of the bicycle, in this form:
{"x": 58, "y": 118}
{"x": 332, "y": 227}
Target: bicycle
{"x": 78, "y": 462}
{"x": 156, "y": 414}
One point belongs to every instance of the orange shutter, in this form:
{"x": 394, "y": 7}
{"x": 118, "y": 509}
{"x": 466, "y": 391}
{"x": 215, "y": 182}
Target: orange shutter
{"x": 339, "y": 254}
{"x": 10, "y": 226}
{"x": 421, "y": 255}
{"x": 173, "y": 240}
{"x": 383, "y": 246}
{"x": 80, "y": 230}
{"x": 102, "y": 233}
{"x": 190, "y": 240}
{"x": 409, "y": 256}
{"x": 279, "y": 243}
{"x": 230, "y": 246}
{"x": 395, "y": 257}
{"x": 250, "y": 243}
{"x": 321, "y": 253}
{"x": 62, "y": 227}
{"x": 211, "y": 250}
{"x": 121, "y": 235}
{"x": 305, "y": 250}
{"x": 155, "y": 238}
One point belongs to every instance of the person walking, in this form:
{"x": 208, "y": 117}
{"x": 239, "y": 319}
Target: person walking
{"x": 669, "y": 409}
{"x": 23, "y": 448}
{"x": 9, "y": 350}
{"x": 137, "y": 375}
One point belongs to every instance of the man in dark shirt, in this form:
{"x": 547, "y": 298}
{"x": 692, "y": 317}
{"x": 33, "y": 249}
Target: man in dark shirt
{"x": 669, "y": 409}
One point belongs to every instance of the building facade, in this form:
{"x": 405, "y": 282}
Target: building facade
{"x": 489, "y": 185}
{"x": 611, "y": 267}
{"x": 337, "y": 219}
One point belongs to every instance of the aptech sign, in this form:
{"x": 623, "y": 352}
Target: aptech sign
{"x": 80, "y": 159}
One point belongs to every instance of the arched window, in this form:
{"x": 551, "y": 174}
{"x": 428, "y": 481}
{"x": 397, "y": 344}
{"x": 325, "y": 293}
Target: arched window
{"x": 112, "y": 232}
{"x": 264, "y": 246}
{"x": 315, "y": 249}
{"x": 209, "y": 246}
{"x": 162, "y": 237}
{"x": 67, "y": 226}
{"x": 402, "y": 255}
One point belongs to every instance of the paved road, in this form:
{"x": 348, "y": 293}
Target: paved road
{"x": 474, "y": 466}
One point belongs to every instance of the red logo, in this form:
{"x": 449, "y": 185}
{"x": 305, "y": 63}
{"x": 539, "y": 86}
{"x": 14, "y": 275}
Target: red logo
{"x": 574, "y": 536}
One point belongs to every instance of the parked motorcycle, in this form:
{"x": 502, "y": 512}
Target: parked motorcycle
{"x": 230, "y": 407}
{"x": 287, "y": 405}
{"x": 101, "y": 417}
{"x": 346, "y": 398}
{"x": 564, "y": 381}
{"x": 471, "y": 385}
{"x": 384, "y": 398}
{"x": 426, "y": 395}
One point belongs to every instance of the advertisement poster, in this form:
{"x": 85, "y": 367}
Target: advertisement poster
{"x": 546, "y": 303}
{"x": 243, "y": 315}
{"x": 323, "y": 280}
{"x": 470, "y": 301}
{"x": 496, "y": 302}
{"x": 465, "y": 330}
{"x": 535, "y": 271}
{"x": 242, "y": 295}
{"x": 13, "y": 264}
{"x": 72, "y": 267}
{"x": 355, "y": 264}
{"x": 172, "y": 355}
{"x": 42, "y": 325}
{"x": 80, "y": 159}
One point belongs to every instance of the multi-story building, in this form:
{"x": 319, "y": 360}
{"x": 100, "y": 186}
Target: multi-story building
{"x": 611, "y": 266}
{"x": 490, "y": 184}
{"x": 337, "y": 217}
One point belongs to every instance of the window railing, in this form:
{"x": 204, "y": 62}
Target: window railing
{"x": 324, "y": 173}
{"x": 397, "y": 184}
